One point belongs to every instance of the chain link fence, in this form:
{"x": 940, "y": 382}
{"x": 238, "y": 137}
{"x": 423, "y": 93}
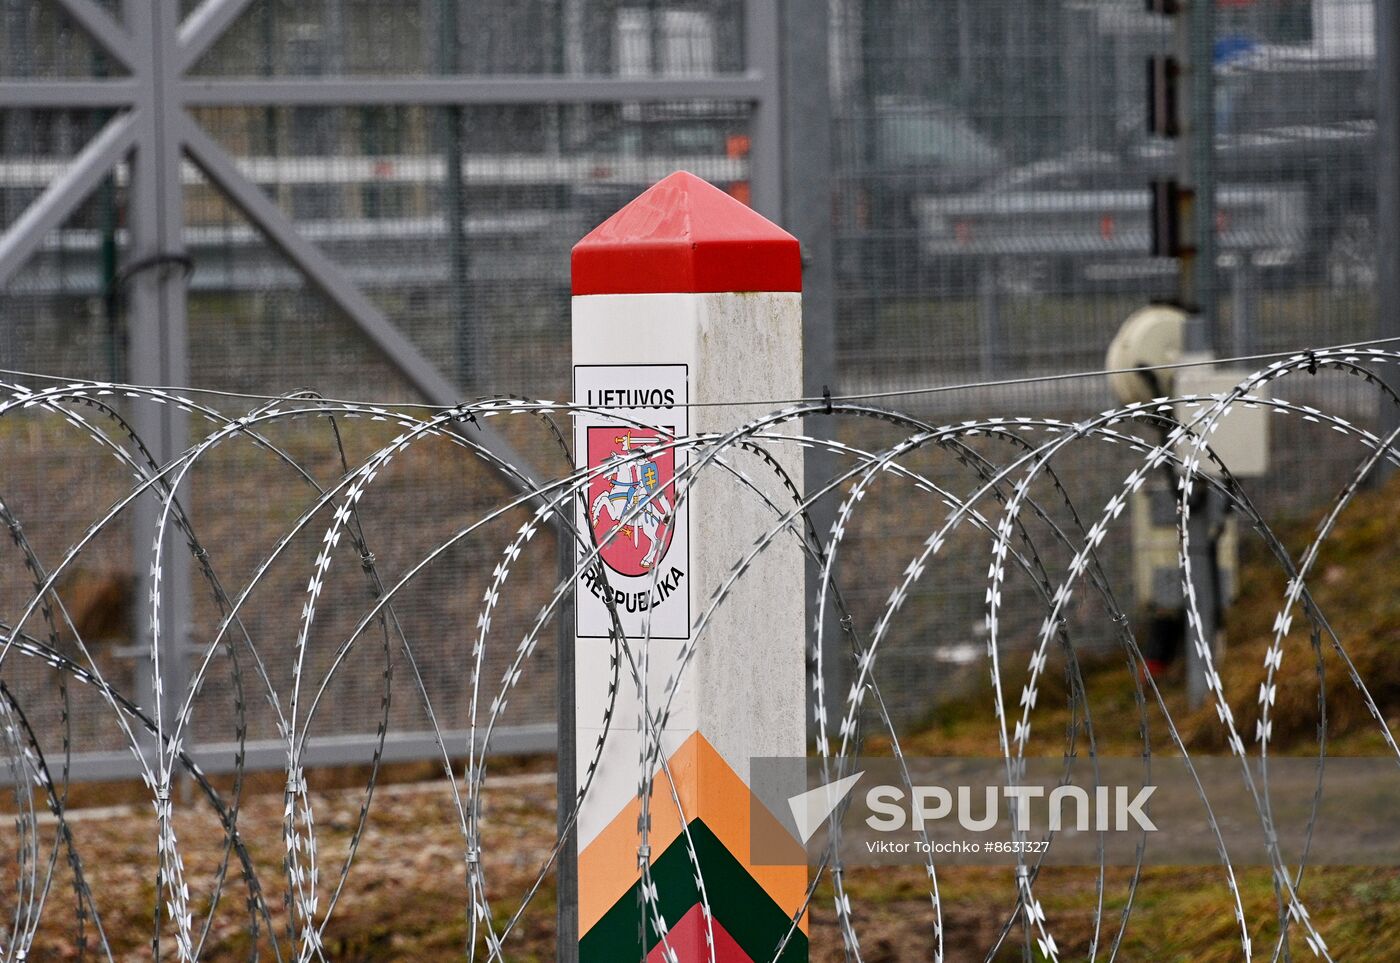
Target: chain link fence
{"x": 992, "y": 219}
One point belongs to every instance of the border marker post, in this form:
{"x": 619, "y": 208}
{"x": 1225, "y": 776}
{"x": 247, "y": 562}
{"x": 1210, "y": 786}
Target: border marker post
{"x": 683, "y": 298}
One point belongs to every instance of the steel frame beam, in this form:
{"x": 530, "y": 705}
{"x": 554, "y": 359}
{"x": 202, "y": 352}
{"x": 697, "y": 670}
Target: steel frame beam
{"x": 159, "y": 92}
{"x": 203, "y": 28}
{"x": 434, "y": 91}
{"x": 345, "y": 750}
{"x": 65, "y": 193}
{"x": 103, "y": 28}
{"x": 332, "y": 281}
{"x": 448, "y": 91}
{"x": 74, "y": 94}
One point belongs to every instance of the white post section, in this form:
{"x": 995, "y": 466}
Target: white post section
{"x": 685, "y": 297}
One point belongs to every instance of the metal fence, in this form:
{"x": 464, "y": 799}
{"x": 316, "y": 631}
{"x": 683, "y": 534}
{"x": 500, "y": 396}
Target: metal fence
{"x": 371, "y": 200}
{"x": 378, "y": 200}
{"x": 992, "y": 168}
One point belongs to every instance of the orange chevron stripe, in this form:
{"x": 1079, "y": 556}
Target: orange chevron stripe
{"x": 708, "y": 789}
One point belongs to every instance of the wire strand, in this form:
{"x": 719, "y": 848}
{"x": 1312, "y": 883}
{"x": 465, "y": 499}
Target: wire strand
{"x": 764, "y": 402}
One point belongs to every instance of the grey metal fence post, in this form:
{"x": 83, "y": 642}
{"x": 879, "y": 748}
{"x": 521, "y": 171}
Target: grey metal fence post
{"x": 566, "y": 779}
{"x": 1244, "y": 304}
{"x": 1195, "y": 38}
{"x": 989, "y": 341}
{"x": 1202, "y": 19}
{"x": 762, "y": 27}
{"x": 1388, "y": 194}
{"x": 157, "y": 348}
{"x": 1207, "y": 516}
{"x": 807, "y": 199}
{"x": 454, "y": 206}
{"x": 1196, "y": 165}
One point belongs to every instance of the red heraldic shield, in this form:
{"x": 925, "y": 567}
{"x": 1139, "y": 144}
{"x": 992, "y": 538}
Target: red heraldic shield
{"x": 632, "y": 500}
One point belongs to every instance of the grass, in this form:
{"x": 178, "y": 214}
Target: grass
{"x": 1355, "y": 585}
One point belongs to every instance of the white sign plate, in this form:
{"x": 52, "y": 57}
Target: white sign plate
{"x": 629, "y": 505}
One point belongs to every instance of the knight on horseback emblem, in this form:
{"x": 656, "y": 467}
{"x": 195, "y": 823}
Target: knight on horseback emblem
{"x": 630, "y": 497}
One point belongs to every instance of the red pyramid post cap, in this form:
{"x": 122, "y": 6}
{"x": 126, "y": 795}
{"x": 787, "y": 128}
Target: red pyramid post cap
{"x": 683, "y": 235}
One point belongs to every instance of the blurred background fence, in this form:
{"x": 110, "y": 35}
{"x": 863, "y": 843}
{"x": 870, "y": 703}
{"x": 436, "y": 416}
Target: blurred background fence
{"x": 377, "y": 201}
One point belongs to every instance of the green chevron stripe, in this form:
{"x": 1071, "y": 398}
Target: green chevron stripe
{"x": 737, "y": 901}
